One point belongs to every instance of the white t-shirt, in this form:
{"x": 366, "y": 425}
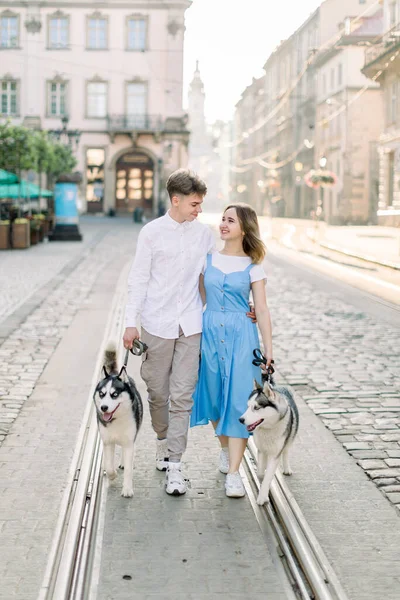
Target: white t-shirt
{"x": 230, "y": 264}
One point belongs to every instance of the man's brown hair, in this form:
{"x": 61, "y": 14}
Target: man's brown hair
{"x": 185, "y": 182}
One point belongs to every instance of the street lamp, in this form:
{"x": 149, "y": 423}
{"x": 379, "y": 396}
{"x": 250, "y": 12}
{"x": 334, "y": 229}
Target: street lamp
{"x": 323, "y": 161}
{"x": 65, "y": 136}
{"x": 66, "y": 191}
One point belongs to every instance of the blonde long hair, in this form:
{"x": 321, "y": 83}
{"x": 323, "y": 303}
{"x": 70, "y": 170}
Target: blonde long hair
{"x": 253, "y": 245}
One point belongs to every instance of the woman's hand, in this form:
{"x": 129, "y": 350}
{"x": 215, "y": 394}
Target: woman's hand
{"x": 252, "y": 313}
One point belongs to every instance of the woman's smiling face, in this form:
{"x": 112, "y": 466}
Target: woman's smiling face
{"x": 229, "y": 227}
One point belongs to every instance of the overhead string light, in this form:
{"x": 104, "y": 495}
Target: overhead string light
{"x": 328, "y": 44}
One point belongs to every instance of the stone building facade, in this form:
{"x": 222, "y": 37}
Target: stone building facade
{"x": 111, "y": 71}
{"x": 382, "y": 64}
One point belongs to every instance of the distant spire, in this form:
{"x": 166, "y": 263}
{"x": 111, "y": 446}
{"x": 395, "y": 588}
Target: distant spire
{"x": 197, "y": 65}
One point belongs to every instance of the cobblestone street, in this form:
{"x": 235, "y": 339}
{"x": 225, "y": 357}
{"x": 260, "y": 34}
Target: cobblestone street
{"x": 342, "y": 360}
{"x": 67, "y": 273}
{"x": 345, "y": 365}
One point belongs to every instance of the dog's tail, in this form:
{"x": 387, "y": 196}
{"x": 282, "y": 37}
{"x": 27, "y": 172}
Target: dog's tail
{"x": 110, "y": 358}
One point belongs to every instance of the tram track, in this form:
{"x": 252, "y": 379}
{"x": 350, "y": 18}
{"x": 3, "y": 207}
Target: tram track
{"x": 307, "y": 568}
{"x": 71, "y": 571}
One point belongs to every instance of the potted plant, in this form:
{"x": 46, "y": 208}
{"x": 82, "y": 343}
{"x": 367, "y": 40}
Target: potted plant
{"x": 21, "y": 233}
{"x": 320, "y": 178}
{"x": 4, "y": 235}
{"x": 43, "y": 231}
{"x": 35, "y": 227}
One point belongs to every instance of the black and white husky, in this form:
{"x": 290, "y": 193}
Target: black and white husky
{"x": 119, "y": 415}
{"x": 273, "y": 416}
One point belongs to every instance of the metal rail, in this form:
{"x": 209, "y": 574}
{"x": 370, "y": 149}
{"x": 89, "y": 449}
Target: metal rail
{"x": 67, "y": 575}
{"x": 313, "y": 576}
{"x": 304, "y": 570}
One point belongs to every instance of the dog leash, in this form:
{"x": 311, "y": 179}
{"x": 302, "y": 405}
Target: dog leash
{"x": 260, "y": 359}
{"x": 138, "y": 348}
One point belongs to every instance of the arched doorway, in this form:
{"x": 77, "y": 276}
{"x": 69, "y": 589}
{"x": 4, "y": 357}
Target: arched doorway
{"x": 134, "y": 183}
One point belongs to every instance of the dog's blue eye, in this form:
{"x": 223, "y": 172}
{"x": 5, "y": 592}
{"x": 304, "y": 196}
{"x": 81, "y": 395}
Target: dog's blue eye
{"x": 115, "y": 395}
{"x": 101, "y": 394}
{"x": 256, "y": 407}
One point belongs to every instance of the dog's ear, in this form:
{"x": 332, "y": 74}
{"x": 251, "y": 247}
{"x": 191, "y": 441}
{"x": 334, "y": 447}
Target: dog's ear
{"x": 123, "y": 375}
{"x": 257, "y": 386}
{"x": 268, "y": 391}
{"x": 105, "y": 372}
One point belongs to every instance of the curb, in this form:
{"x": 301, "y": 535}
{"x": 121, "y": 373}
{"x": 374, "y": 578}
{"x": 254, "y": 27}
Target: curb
{"x": 370, "y": 259}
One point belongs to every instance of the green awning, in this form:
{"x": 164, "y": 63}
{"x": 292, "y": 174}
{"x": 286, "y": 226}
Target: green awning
{"x": 24, "y": 190}
{"x": 7, "y": 177}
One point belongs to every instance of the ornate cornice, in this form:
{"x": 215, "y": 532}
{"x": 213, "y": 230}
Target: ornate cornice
{"x": 110, "y": 4}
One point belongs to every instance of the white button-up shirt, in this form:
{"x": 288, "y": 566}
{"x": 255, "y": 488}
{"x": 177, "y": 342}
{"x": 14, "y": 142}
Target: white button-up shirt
{"x": 163, "y": 283}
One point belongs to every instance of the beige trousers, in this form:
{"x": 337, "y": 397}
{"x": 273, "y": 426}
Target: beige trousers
{"x": 170, "y": 371}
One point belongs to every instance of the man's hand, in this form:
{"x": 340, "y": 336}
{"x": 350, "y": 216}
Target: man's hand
{"x": 252, "y": 313}
{"x": 131, "y": 334}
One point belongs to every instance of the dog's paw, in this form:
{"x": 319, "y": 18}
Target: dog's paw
{"x": 127, "y": 492}
{"x": 288, "y": 472}
{"x": 111, "y": 475}
{"x": 262, "y": 499}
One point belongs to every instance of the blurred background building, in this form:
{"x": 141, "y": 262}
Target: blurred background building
{"x": 112, "y": 74}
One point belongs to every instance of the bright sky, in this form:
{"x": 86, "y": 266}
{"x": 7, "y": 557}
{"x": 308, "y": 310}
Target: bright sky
{"x": 232, "y": 39}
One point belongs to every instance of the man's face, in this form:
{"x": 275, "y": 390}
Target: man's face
{"x": 189, "y": 207}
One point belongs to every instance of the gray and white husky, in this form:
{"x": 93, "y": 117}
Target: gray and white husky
{"x": 119, "y": 415}
{"x": 273, "y": 416}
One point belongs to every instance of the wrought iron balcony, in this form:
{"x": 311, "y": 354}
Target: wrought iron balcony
{"x": 128, "y": 123}
{"x": 378, "y": 54}
{"x": 146, "y": 124}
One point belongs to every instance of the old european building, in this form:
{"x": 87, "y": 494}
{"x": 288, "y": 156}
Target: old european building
{"x": 349, "y": 119}
{"x": 111, "y": 71}
{"x": 382, "y": 64}
{"x": 204, "y": 158}
{"x": 277, "y": 129}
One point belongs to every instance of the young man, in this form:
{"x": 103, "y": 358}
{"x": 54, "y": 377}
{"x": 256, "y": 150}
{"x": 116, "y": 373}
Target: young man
{"x": 163, "y": 290}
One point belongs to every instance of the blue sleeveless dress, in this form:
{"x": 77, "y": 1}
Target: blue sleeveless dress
{"x": 229, "y": 337}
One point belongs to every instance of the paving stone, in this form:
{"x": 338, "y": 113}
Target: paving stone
{"x": 392, "y": 462}
{"x": 394, "y": 497}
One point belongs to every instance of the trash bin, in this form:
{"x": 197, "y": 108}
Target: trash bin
{"x": 138, "y": 214}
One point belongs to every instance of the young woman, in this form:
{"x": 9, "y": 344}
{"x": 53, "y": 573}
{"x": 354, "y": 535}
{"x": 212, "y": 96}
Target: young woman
{"x": 229, "y": 337}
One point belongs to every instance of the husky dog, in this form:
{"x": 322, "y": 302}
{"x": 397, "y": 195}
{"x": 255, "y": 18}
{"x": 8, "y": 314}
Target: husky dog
{"x": 119, "y": 415}
{"x": 273, "y": 416}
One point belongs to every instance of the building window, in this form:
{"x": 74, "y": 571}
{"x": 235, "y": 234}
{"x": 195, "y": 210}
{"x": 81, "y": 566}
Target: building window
{"x": 340, "y": 74}
{"x": 9, "y": 98}
{"x": 96, "y": 99}
{"x": 136, "y": 103}
{"x": 9, "y": 32}
{"x": 95, "y": 178}
{"x": 392, "y": 102}
{"x": 137, "y": 34}
{"x": 57, "y": 98}
{"x": 97, "y": 33}
{"x": 58, "y": 32}
{"x": 393, "y": 18}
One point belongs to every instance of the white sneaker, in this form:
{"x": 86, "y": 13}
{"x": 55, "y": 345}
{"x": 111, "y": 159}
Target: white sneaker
{"x": 162, "y": 455}
{"x": 224, "y": 461}
{"x": 234, "y": 487}
{"x": 175, "y": 482}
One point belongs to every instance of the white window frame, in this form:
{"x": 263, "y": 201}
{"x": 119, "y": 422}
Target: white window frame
{"x": 7, "y": 42}
{"x": 9, "y": 93}
{"x": 394, "y": 101}
{"x": 138, "y": 118}
{"x": 340, "y": 74}
{"x": 141, "y": 45}
{"x": 94, "y": 114}
{"x": 59, "y": 95}
{"x": 96, "y": 45}
{"x": 393, "y": 13}
{"x": 59, "y": 44}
